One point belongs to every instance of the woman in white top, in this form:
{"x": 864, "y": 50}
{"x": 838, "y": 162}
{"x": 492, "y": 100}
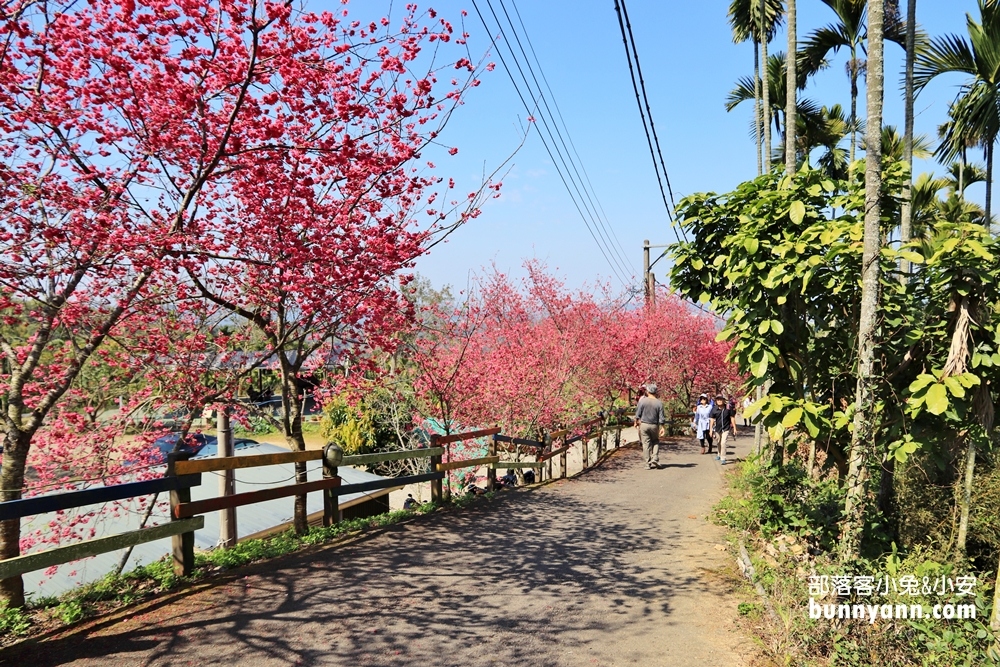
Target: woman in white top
{"x": 702, "y": 423}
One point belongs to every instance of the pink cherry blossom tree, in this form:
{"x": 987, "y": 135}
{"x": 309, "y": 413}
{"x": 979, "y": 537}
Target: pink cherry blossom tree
{"x": 160, "y": 154}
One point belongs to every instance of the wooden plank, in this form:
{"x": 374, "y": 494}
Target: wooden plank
{"x": 15, "y": 509}
{"x": 43, "y": 559}
{"x": 378, "y": 457}
{"x": 558, "y": 434}
{"x": 468, "y": 463}
{"x": 254, "y": 461}
{"x": 519, "y": 464}
{"x": 554, "y": 452}
{"x": 457, "y": 437}
{"x": 212, "y": 504}
{"x": 519, "y": 441}
{"x": 392, "y": 482}
{"x": 586, "y": 424}
{"x": 575, "y": 438}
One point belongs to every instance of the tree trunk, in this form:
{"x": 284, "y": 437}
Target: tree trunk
{"x": 854, "y": 109}
{"x": 15, "y": 456}
{"x": 862, "y": 440}
{"x": 961, "y": 175}
{"x": 758, "y": 427}
{"x": 965, "y": 499}
{"x": 886, "y": 494}
{"x": 758, "y": 131}
{"x": 995, "y": 616}
{"x": 765, "y": 93}
{"x": 291, "y": 404}
{"x": 791, "y": 86}
{"x": 989, "y": 185}
{"x": 906, "y": 216}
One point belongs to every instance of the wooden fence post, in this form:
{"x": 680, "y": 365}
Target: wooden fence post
{"x": 548, "y": 448}
{"x": 437, "y": 488}
{"x": 491, "y": 471}
{"x": 600, "y": 436}
{"x": 563, "y": 462}
{"x": 586, "y": 450}
{"x": 182, "y": 546}
{"x": 227, "y": 480}
{"x": 332, "y": 456}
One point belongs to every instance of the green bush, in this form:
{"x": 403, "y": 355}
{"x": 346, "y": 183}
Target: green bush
{"x": 777, "y": 500}
{"x": 771, "y": 506}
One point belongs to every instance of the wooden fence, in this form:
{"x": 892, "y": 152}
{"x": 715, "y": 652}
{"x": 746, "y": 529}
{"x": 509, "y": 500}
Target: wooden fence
{"x": 186, "y": 515}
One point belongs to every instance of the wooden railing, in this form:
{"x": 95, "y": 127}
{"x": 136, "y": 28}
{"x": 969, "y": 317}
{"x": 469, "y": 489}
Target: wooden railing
{"x": 186, "y": 515}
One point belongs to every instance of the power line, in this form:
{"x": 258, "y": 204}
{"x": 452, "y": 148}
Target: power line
{"x": 533, "y": 110}
{"x": 543, "y": 118}
{"x": 628, "y": 39}
{"x": 585, "y": 195}
{"x": 589, "y": 190}
{"x": 556, "y": 139}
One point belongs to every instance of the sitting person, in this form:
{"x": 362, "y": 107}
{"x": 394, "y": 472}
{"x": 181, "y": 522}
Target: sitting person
{"x": 510, "y": 479}
{"x": 529, "y": 477}
{"x": 410, "y": 502}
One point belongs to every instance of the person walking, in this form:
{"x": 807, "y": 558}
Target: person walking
{"x": 746, "y": 409}
{"x": 649, "y": 419}
{"x": 723, "y": 422}
{"x": 702, "y": 423}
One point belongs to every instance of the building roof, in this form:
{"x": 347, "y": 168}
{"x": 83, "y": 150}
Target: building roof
{"x": 250, "y": 519}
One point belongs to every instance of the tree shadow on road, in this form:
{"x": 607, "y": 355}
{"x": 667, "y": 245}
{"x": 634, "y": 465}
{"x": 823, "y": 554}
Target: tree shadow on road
{"x": 517, "y": 580}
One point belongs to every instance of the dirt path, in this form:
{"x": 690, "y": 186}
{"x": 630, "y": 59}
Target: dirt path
{"x": 616, "y": 567}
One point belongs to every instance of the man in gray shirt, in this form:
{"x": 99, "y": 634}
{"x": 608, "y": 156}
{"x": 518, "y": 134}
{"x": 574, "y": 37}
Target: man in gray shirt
{"x": 648, "y": 419}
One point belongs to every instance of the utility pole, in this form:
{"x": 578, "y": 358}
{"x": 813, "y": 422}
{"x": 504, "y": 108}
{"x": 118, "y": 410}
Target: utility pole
{"x": 645, "y": 271}
{"x": 648, "y": 279}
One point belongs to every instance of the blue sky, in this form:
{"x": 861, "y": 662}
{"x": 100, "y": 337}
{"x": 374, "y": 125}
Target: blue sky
{"x": 690, "y": 64}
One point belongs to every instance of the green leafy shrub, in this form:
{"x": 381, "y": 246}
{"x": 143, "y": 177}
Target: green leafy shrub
{"x": 774, "y": 500}
{"x": 70, "y": 611}
{"x": 14, "y": 621}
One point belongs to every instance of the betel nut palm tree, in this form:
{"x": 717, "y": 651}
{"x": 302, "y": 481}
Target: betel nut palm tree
{"x": 750, "y": 20}
{"x": 863, "y": 436}
{"x": 778, "y": 96}
{"x": 974, "y": 116}
{"x": 849, "y": 31}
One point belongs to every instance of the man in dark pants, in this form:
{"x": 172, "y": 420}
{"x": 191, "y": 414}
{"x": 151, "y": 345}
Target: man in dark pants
{"x": 649, "y": 419}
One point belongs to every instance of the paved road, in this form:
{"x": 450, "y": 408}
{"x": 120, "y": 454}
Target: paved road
{"x": 615, "y": 567}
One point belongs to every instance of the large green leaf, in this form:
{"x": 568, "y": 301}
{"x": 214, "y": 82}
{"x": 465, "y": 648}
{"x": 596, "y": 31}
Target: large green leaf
{"x": 936, "y": 399}
{"x": 792, "y": 417}
{"x": 955, "y": 387}
{"x": 797, "y": 212}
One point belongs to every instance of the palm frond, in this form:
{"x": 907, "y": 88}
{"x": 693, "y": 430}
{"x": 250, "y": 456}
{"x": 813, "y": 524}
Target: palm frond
{"x": 813, "y": 52}
{"x": 744, "y": 18}
{"x": 744, "y": 91}
{"x": 965, "y": 174}
{"x": 985, "y": 38}
{"x": 893, "y": 145}
{"x": 949, "y": 53}
{"x": 974, "y": 120}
